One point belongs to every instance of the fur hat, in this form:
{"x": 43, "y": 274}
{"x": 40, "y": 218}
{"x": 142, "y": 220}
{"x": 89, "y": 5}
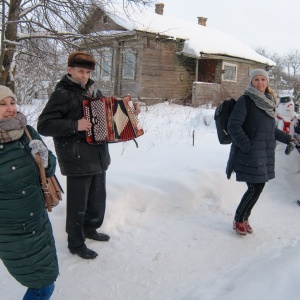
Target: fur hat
{"x": 261, "y": 72}
{"x": 6, "y": 92}
{"x": 81, "y": 60}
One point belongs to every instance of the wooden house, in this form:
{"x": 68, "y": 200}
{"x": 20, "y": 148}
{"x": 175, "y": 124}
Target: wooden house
{"x": 154, "y": 57}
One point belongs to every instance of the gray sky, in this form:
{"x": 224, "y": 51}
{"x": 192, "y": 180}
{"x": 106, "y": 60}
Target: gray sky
{"x": 273, "y": 25}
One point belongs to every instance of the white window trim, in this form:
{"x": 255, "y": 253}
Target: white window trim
{"x": 105, "y": 76}
{"x": 99, "y": 73}
{"x": 96, "y": 73}
{"x": 134, "y": 64}
{"x": 230, "y": 65}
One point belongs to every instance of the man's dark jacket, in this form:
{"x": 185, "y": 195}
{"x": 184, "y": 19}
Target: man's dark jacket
{"x": 59, "y": 119}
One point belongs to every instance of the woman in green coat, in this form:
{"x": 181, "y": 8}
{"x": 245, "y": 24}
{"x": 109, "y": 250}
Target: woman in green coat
{"x": 27, "y": 246}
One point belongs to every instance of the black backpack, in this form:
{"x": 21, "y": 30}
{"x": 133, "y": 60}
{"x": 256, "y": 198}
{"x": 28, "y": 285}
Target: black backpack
{"x": 221, "y": 117}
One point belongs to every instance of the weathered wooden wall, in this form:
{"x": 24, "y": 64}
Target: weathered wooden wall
{"x": 164, "y": 74}
{"x": 160, "y": 73}
{"x": 215, "y": 93}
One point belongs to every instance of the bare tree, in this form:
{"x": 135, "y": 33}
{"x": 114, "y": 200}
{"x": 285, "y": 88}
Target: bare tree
{"x": 292, "y": 63}
{"x": 37, "y": 75}
{"x": 277, "y": 72}
{"x": 27, "y": 26}
{"x": 286, "y": 74}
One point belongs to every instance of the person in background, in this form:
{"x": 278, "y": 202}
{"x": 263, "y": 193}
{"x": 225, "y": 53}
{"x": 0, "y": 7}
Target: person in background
{"x": 27, "y": 246}
{"x": 253, "y": 129}
{"x": 84, "y": 164}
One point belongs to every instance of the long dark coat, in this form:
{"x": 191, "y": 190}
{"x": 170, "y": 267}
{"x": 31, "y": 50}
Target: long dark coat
{"x": 27, "y": 246}
{"x": 254, "y": 134}
{"x": 59, "y": 119}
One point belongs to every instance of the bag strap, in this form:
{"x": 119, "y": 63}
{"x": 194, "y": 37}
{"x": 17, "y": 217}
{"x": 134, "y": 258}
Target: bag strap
{"x": 42, "y": 174}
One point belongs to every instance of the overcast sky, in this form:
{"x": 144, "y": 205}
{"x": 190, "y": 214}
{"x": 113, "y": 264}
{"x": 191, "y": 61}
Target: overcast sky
{"x": 273, "y": 25}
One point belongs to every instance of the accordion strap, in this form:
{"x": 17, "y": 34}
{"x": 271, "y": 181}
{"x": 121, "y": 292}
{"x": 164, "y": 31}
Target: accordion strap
{"x": 136, "y": 144}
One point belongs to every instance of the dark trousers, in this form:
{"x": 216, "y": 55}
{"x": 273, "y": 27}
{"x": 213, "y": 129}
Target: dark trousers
{"x": 86, "y": 199}
{"x": 248, "y": 201}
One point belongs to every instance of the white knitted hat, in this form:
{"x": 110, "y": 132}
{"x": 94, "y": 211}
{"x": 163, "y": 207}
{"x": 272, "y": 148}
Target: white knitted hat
{"x": 6, "y": 92}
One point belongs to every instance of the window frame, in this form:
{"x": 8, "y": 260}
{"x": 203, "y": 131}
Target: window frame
{"x": 106, "y": 64}
{"x": 227, "y": 64}
{"x": 103, "y": 69}
{"x": 105, "y": 19}
{"x": 131, "y": 66}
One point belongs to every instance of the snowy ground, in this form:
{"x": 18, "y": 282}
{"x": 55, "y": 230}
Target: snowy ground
{"x": 169, "y": 214}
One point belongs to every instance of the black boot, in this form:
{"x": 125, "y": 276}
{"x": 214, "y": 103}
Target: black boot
{"x": 84, "y": 253}
{"x": 97, "y": 236}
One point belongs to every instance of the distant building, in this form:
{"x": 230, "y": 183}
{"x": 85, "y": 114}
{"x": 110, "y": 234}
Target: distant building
{"x": 154, "y": 57}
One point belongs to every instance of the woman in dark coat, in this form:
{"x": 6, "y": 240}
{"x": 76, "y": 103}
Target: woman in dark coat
{"x": 27, "y": 246}
{"x": 252, "y": 155}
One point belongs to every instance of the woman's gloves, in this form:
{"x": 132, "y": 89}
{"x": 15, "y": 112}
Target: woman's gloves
{"x": 294, "y": 142}
{"x": 38, "y": 146}
{"x": 289, "y": 148}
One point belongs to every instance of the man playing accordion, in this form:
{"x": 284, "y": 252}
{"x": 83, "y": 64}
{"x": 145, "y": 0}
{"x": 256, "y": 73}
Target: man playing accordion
{"x": 84, "y": 164}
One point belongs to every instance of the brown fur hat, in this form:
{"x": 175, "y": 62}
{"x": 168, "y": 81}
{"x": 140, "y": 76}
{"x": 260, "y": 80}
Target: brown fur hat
{"x": 81, "y": 60}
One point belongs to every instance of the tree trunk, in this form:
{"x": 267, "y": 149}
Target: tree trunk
{"x": 10, "y": 34}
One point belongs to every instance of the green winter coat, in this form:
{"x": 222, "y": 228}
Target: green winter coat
{"x": 27, "y": 246}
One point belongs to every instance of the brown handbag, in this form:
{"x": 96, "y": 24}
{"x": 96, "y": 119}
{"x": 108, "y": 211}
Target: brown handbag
{"x": 50, "y": 186}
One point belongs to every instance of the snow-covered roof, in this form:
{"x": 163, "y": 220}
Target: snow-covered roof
{"x": 197, "y": 38}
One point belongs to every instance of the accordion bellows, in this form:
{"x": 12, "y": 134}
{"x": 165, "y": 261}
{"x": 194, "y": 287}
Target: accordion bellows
{"x": 112, "y": 120}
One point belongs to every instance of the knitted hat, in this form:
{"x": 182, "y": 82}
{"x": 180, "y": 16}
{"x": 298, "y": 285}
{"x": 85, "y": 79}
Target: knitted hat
{"x": 81, "y": 60}
{"x": 6, "y": 92}
{"x": 261, "y": 72}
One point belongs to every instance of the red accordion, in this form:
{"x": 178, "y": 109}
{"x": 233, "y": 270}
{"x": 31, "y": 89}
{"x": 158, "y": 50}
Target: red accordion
{"x": 112, "y": 120}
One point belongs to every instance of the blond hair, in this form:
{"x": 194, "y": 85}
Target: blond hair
{"x": 270, "y": 91}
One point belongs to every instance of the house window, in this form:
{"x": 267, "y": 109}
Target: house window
{"x": 104, "y": 64}
{"x": 105, "y": 19}
{"x": 128, "y": 68}
{"x": 229, "y": 72}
